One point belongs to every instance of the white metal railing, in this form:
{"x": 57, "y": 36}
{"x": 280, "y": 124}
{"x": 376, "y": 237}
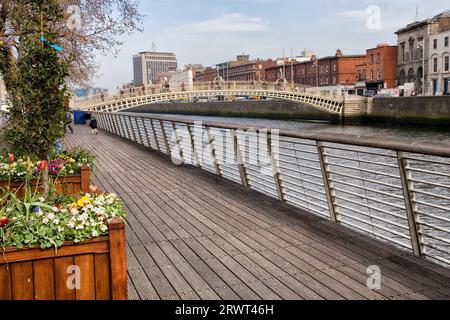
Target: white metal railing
{"x": 394, "y": 190}
{"x": 139, "y": 96}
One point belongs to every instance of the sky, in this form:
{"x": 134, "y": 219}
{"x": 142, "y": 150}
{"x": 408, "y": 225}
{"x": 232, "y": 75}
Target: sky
{"x": 209, "y": 32}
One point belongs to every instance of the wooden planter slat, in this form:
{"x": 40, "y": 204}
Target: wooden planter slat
{"x": 35, "y": 274}
{"x": 72, "y": 184}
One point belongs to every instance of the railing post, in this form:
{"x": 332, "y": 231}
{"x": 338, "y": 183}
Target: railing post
{"x": 138, "y": 131}
{"x": 145, "y": 133}
{"x": 133, "y": 134}
{"x": 122, "y": 126}
{"x": 194, "y": 151}
{"x": 411, "y": 207}
{"x": 114, "y": 123}
{"x": 327, "y": 183}
{"x": 155, "y": 136}
{"x": 275, "y": 168}
{"x": 177, "y": 141}
{"x": 166, "y": 141}
{"x": 239, "y": 159}
{"x": 213, "y": 152}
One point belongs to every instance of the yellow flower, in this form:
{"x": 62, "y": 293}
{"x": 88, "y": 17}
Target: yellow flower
{"x": 84, "y": 201}
{"x": 71, "y": 160}
{"x": 74, "y": 205}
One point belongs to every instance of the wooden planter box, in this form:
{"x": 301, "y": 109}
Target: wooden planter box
{"x": 35, "y": 274}
{"x": 72, "y": 184}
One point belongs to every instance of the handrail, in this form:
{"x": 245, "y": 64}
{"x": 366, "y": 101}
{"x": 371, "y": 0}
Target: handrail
{"x": 332, "y": 102}
{"x": 395, "y": 190}
{"x": 395, "y": 144}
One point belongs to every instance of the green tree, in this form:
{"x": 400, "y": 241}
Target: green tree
{"x": 39, "y": 76}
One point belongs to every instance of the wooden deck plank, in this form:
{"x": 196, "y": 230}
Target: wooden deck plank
{"x": 193, "y": 235}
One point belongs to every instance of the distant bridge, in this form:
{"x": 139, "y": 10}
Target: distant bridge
{"x": 332, "y": 103}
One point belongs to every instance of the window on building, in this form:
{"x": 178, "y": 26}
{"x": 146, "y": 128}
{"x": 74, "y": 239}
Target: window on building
{"x": 446, "y": 63}
{"x": 411, "y": 49}
{"x": 435, "y": 42}
{"x": 371, "y": 74}
{"x": 446, "y": 41}
{"x": 435, "y": 65}
{"x": 402, "y": 51}
{"x": 379, "y": 74}
{"x": 378, "y": 57}
{"x": 371, "y": 58}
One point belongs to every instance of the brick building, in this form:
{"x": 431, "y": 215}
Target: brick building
{"x": 327, "y": 71}
{"x": 245, "y": 70}
{"x": 206, "y": 75}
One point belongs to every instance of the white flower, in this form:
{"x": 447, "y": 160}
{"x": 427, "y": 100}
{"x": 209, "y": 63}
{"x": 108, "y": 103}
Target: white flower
{"x": 55, "y": 209}
{"x": 45, "y": 221}
{"x": 56, "y": 221}
{"x": 71, "y": 224}
{"x": 60, "y": 229}
{"x": 103, "y": 228}
{"x": 63, "y": 210}
{"x": 74, "y": 211}
{"x": 50, "y": 216}
{"x": 94, "y": 233}
{"x": 79, "y": 227}
{"x": 71, "y": 172}
{"x": 41, "y": 199}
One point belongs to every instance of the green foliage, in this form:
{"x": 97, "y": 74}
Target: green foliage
{"x": 58, "y": 166}
{"x": 34, "y": 221}
{"x": 39, "y": 107}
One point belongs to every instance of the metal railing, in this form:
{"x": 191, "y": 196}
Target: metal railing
{"x": 394, "y": 190}
{"x": 333, "y": 103}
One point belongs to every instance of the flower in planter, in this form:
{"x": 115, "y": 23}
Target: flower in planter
{"x": 11, "y": 158}
{"x": 84, "y": 201}
{"x": 4, "y": 221}
{"x": 51, "y": 224}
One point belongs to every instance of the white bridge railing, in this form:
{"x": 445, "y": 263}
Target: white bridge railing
{"x": 394, "y": 190}
{"x": 138, "y": 96}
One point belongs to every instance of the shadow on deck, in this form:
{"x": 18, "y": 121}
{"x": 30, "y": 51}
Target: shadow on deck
{"x": 193, "y": 235}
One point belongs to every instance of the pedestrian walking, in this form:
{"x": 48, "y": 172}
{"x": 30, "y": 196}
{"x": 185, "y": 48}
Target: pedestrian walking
{"x": 93, "y": 125}
{"x": 68, "y": 122}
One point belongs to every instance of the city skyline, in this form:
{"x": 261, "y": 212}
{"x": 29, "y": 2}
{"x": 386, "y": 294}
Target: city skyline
{"x": 211, "y": 33}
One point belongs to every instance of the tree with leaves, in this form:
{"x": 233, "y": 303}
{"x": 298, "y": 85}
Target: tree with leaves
{"x": 40, "y": 100}
{"x": 88, "y": 27}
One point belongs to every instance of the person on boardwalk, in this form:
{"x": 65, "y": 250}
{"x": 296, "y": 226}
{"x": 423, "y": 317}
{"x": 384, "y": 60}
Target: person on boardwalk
{"x": 93, "y": 125}
{"x": 68, "y": 122}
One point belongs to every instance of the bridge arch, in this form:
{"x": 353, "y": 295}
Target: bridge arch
{"x": 328, "y": 104}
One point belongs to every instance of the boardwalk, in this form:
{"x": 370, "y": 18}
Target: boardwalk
{"x": 192, "y": 235}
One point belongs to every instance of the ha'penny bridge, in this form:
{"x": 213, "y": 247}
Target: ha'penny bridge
{"x": 219, "y": 211}
{"x": 334, "y": 103}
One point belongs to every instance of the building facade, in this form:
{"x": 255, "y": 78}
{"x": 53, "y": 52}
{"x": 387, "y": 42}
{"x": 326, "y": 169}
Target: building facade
{"x": 439, "y": 63}
{"x": 206, "y": 75}
{"x": 244, "y": 69}
{"x": 328, "y": 71}
{"x": 379, "y": 71}
{"x": 148, "y": 65}
{"x": 414, "y": 51}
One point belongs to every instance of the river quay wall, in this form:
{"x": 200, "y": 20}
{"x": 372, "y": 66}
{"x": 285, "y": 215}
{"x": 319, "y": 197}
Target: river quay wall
{"x": 411, "y": 111}
{"x": 274, "y": 109}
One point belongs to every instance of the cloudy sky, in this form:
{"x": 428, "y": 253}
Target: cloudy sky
{"x": 214, "y": 31}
